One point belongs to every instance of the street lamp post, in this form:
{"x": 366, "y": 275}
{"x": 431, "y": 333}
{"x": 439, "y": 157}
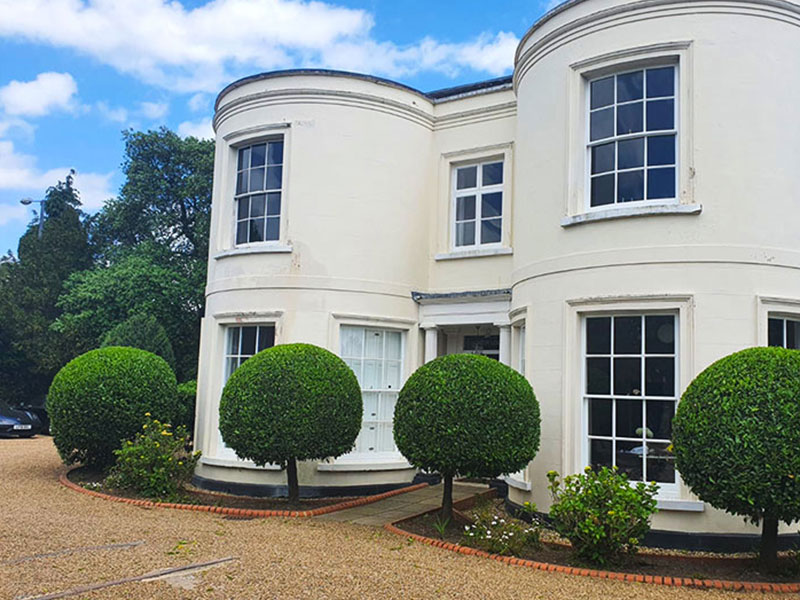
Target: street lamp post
{"x": 29, "y": 201}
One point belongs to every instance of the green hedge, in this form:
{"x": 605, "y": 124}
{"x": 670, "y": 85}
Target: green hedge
{"x": 99, "y": 399}
{"x": 187, "y": 402}
{"x": 143, "y": 332}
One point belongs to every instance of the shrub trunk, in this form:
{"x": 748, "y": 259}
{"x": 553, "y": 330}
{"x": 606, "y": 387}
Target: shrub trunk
{"x": 291, "y": 477}
{"x": 447, "y": 497}
{"x": 768, "y": 554}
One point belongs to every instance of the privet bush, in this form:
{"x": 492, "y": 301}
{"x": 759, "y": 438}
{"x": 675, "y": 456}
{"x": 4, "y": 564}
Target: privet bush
{"x": 143, "y": 332}
{"x": 288, "y": 403}
{"x": 736, "y": 438}
{"x": 98, "y": 400}
{"x": 156, "y": 465}
{"x": 187, "y": 400}
{"x": 601, "y": 513}
{"x": 465, "y": 414}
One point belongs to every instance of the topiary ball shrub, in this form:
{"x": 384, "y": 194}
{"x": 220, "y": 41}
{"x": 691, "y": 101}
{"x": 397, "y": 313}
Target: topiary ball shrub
{"x": 736, "y": 438}
{"x": 99, "y": 399}
{"x": 291, "y": 402}
{"x": 143, "y": 332}
{"x": 469, "y": 415}
{"x": 187, "y": 401}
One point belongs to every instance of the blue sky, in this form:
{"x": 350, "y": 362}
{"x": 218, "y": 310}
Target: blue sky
{"x": 75, "y": 73}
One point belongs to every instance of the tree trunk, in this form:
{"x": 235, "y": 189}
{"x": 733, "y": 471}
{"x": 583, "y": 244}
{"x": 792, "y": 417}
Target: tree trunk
{"x": 769, "y": 544}
{"x": 447, "y": 497}
{"x": 291, "y": 477}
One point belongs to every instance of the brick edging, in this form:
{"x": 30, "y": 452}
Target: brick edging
{"x": 241, "y": 512}
{"x": 744, "y": 586}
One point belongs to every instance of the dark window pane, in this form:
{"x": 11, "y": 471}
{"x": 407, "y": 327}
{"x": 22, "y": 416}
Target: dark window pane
{"x": 602, "y": 92}
{"x": 630, "y": 186}
{"x": 241, "y": 232}
{"x": 257, "y": 205}
{"x": 598, "y": 335}
{"x": 659, "y": 374}
{"x": 275, "y": 153}
{"x": 233, "y": 341}
{"x": 631, "y": 153}
{"x": 248, "y": 341}
{"x": 598, "y": 375}
{"x": 465, "y": 233}
{"x": 603, "y": 158}
{"x": 630, "y": 459}
{"x": 273, "y": 228}
{"x": 273, "y": 204}
{"x": 659, "y": 418}
{"x": 492, "y": 205}
{"x": 465, "y": 208}
{"x": 660, "y": 82}
{"x": 493, "y": 173}
{"x": 629, "y": 86}
{"x": 792, "y": 334}
{"x": 628, "y": 376}
{"x": 244, "y": 159}
{"x": 600, "y": 416}
{"x": 244, "y": 208}
{"x": 258, "y": 154}
{"x": 629, "y": 118}
{"x": 659, "y": 334}
{"x": 602, "y": 190}
{"x": 775, "y": 333}
{"x": 660, "y": 115}
{"x": 660, "y": 183}
{"x": 628, "y": 335}
{"x": 256, "y": 230}
{"x": 661, "y": 150}
{"x": 490, "y": 231}
{"x": 241, "y": 182}
{"x": 629, "y": 418}
{"x": 601, "y": 124}
{"x": 257, "y": 179}
{"x": 660, "y": 463}
{"x": 466, "y": 177}
{"x": 274, "y": 175}
{"x": 266, "y": 337}
{"x": 600, "y": 454}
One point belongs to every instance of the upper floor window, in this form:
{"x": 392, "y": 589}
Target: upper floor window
{"x": 478, "y": 204}
{"x": 259, "y": 181}
{"x": 632, "y": 136}
{"x": 784, "y": 333}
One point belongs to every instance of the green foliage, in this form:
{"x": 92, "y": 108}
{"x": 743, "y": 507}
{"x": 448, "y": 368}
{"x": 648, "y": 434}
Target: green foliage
{"x": 156, "y": 465}
{"x": 601, "y": 513}
{"x": 499, "y": 533}
{"x": 440, "y": 525}
{"x": 98, "y": 400}
{"x": 144, "y": 332}
{"x": 736, "y": 434}
{"x": 187, "y": 400}
{"x": 468, "y": 415}
{"x": 293, "y": 401}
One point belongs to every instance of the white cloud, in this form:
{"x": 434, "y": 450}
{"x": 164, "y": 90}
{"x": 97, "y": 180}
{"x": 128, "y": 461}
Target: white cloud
{"x": 46, "y": 93}
{"x": 116, "y": 114}
{"x": 200, "y": 49}
{"x": 201, "y": 129}
{"x": 154, "y": 110}
{"x": 12, "y": 212}
{"x": 198, "y": 102}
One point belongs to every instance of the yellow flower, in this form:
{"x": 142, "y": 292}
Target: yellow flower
{"x": 144, "y": 426}
{"x": 147, "y": 414}
{"x": 158, "y": 445}
{"x": 180, "y": 462}
{"x": 165, "y": 433}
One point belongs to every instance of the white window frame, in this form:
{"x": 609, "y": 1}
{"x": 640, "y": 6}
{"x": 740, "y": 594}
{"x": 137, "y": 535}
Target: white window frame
{"x": 771, "y": 307}
{"x": 263, "y": 192}
{"x": 477, "y": 192}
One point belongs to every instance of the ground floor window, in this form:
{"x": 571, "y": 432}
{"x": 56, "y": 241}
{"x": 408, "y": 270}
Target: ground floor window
{"x": 487, "y": 345}
{"x": 784, "y": 333}
{"x": 630, "y": 393}
{"x": 376, "y": 357}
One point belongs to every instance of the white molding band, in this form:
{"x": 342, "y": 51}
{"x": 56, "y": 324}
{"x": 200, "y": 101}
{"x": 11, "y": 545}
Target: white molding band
{"x": 476, "y": 253}
{"x": 624, "y": 212}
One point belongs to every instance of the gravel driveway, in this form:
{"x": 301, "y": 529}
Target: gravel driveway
{"x": 276, "y": 558}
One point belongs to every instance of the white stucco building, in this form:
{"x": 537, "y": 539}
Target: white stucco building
{"x": 609, "y": 220}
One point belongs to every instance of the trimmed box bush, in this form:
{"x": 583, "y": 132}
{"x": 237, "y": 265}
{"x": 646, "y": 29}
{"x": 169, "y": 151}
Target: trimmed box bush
{"x": 468, "y": 415}
{"x": 143, "y": 332}
{"x": 99, "y": 399}
{"x": 736, "y": 438}
{"x": 291, "y": 402}
{"x": 187, "y": 402}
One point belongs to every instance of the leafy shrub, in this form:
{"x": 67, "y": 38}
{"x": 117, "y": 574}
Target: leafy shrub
{"x": 291, "y": 402}
{"x": 465, "y": 414}
{"x": 98, "y": 400}
{"x": 498, "y": 533}
{"x": 187, "y": 401}
{"x": 736, "y": 438}
{"x": 156, "y": 465}
{"x": 601, "y": 513}
{"x": 144, "y": 332}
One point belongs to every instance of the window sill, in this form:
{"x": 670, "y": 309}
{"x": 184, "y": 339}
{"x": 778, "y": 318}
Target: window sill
{"x": 258, "y": 249}
{"x": 516, "y": 483}
{"x": 477, "y": 252}
{"x": 624, "y": 212}
{"x": 237, "y": 464}
{"x": 680, "y": 505}
{"x": 372, "y": 465}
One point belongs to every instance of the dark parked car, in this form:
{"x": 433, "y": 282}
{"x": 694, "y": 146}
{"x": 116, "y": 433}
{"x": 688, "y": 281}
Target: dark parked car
{"x": 18, "y": 423}
{"x": 38, "y": 409}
